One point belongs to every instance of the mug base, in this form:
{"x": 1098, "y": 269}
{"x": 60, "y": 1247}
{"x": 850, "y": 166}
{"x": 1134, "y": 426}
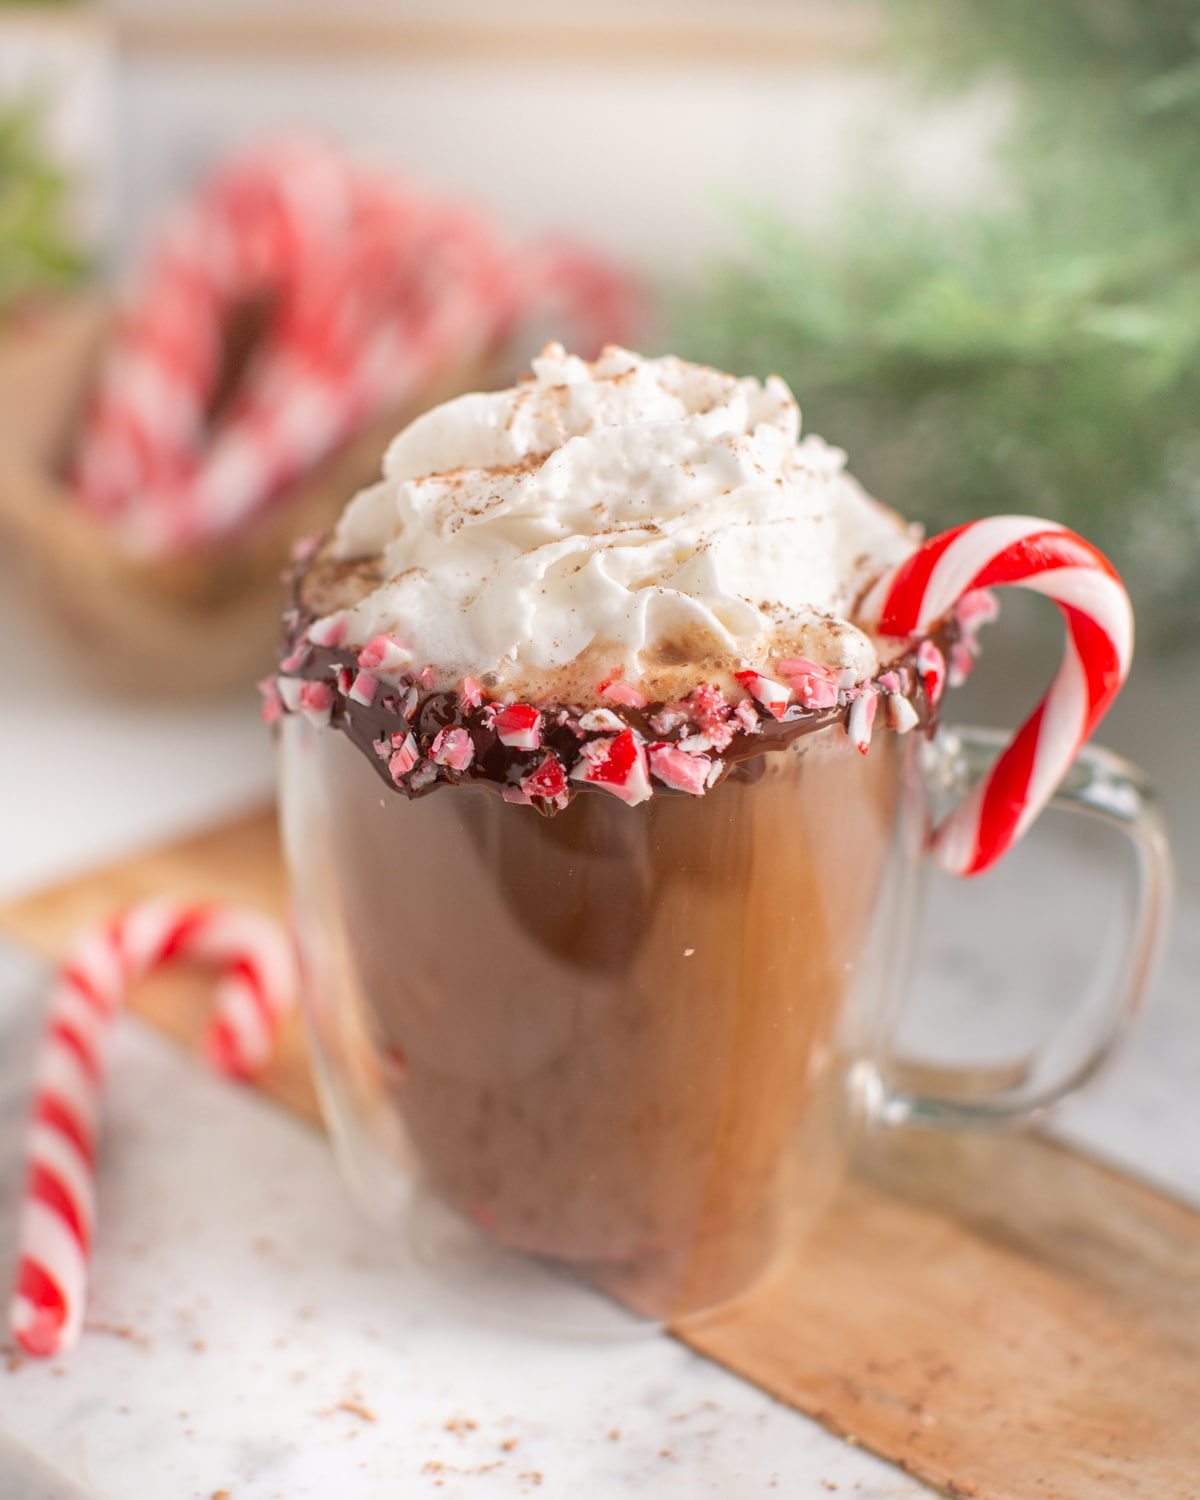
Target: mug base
{"x": 509, "y": 1287}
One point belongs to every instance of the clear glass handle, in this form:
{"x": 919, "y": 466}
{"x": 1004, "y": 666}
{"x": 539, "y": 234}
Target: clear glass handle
{"x": 1099, "y": 785}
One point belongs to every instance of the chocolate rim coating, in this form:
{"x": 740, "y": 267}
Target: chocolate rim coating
{"x": 403, "y": 705}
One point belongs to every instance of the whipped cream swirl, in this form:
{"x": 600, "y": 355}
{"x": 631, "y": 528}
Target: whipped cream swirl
{"x": 645, "y": 517}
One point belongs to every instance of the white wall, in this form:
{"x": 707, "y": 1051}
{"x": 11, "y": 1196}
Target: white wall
{"x": 639, "y": 123}
{"x": 643, "y": 157}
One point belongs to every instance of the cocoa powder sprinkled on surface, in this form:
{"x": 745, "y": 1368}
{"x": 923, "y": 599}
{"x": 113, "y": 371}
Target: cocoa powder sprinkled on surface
{"x": 356, "y": 1409}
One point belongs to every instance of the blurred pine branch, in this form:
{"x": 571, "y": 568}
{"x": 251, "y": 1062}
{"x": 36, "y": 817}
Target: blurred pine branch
{"x": 1043, "y": 357}
{"x": 38, "y": 252}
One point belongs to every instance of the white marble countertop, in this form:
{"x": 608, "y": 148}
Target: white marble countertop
{"x": 248, "y": 1334}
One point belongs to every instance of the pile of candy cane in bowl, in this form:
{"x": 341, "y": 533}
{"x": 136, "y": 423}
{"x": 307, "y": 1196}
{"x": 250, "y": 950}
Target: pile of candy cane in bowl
{"x": 156, "y": 462}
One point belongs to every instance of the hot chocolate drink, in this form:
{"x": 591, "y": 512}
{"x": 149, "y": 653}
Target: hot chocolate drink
{"x": 609, "y": 775}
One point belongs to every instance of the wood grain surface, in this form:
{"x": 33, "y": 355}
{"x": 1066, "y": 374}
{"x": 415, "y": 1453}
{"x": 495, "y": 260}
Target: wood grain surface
{"x": 1000, "y": 1316}
{"x": 667, "y": 33}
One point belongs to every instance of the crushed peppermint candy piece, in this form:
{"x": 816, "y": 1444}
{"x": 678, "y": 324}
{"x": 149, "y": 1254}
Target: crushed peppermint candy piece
{"x": 976, "y": 608}
{"x": 816, "y": 686}
{"x": 618, "y": 765}
{"x": 669, "y": 718}
{"x": 696, "y": 744}
{"x": 272, "y": 702}
{"x": 404, "y": 758}
{"x": 931, "y": 665}
{"x": 289, "y": 691}
{"x": 294, "y": 660}
{"x": 422, "y": 776}
{"x": 902, "y": 715}
{"x": 774, "y": 696}
{"x": 747, "y": 718}
{"x": 453, "y": 748}
{"x": 601, "y": 720}
{"x": 678, "y": 770}
{"x": 548, "y": 781}
{"x": 519, "y": 726}
{"x": 621, "y": 693}
{"x": 962, "y": 662}
{"x": 516, "y": 795}
{"x": 710, "y": 712}
{"x": 330, "y": 632}
{"x": 470, "y": 695}
{"x": 427, "y": 677}
{"x": 305, "y": 548}
{"x": 862, "y": 717}
{"x": 316, "y": 702}
{"x": 383, "y": 653}
{"x": 890, "y": 682}
{"x": 363, "y": 689}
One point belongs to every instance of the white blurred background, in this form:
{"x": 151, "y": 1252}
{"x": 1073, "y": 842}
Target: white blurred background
{"x": 641, "y": 125}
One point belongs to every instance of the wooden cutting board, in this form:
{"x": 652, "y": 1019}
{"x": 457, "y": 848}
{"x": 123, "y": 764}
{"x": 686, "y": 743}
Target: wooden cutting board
{"x": 1002, "y": 1317}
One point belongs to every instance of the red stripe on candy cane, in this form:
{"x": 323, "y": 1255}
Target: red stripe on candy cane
{"x": 1022, "y": 552}
{"x": 51, "y": 1111}
{"x": 254, "y": 994}
{"x": 81, "y": 983}
{"x": 50, "y": 1191}
{"x": 72, "y": 1169}
{"x": 39, "y": 1310}
{"x": 48, "y": 1301}
{"x": 63, "y": 1034}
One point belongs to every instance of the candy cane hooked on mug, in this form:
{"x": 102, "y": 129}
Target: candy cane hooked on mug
{"x": 1023, "y": 552}
{"x": 254, "y": 993}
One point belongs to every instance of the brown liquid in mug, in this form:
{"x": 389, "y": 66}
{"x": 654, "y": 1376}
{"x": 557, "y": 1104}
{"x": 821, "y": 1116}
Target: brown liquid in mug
{"x": 614, "y": 1027}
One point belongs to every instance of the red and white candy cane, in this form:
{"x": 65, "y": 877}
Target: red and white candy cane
{"x": 255, "y": 991}
{"x": 370, "y": 291}
{"x": 1031, "y": 554}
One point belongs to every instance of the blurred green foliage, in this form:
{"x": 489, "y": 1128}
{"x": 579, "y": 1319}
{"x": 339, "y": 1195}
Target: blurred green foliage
{"x": 1042, "y": 356}
{"x": 38, "y": 252}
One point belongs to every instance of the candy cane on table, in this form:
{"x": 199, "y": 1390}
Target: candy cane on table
{"x": 254, "y": 993}
{"x": 1023, "y": 552}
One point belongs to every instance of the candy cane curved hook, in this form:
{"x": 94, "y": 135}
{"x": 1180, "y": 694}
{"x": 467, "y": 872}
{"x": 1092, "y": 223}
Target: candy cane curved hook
{"x": 1021, "y": 552}
{"x": 254, "y": 993}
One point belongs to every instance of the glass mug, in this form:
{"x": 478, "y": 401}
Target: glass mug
{"x": 629, "y": 1048}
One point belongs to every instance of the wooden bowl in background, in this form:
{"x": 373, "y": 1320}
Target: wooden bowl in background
{"x": 184, "y": 627}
